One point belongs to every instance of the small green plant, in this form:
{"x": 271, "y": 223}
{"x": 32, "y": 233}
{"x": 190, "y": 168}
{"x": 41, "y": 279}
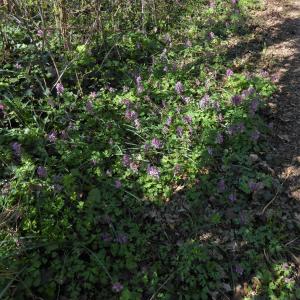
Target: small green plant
{"x": 125, "y": 156}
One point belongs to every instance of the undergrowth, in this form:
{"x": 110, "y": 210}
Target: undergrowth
{"x": 129, "y": 161}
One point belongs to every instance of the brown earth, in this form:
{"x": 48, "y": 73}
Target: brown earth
{"x": 275, "y": 47}
{"x": 283, "y": 53}
{"x": 278, "y": 34}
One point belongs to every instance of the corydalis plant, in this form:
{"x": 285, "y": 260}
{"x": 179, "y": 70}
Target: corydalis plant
{"x": 59, "y": 88}
{"x": 153, "y": 171}
{"x": 236, "y": 100}
{"x": 16, "y": 147}
{"x": 139, "y": 85}
{"x": 42, "y": 172}
{"x": 179, "y": 89}
{"x": 156, "y": 143}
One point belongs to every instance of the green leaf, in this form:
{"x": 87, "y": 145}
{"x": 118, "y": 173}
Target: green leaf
{"x": 94, "y": 195}
{"x": 126, "y": 295}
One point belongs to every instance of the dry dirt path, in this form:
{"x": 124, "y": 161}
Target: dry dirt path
{"x": 280, "y": 26}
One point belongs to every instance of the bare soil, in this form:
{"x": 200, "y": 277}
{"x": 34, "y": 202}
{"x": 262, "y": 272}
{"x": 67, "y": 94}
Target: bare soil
{"x": 279, "y": 29}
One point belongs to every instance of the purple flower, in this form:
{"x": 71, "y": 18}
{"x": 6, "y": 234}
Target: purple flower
{"x": 232, "y": 197}
{"x": 210, "y": 150}
{"x": 168, "y": 121}
{"x": 59, "y": 88}
{"x": 117, "y": 287}
{"x": 252, "y": 186}
{"x": 166, "y": 69}
{"x": 186, "y": 99}
{"x": 221, "y": 186}
{"x": 216, "y": 105}
{"x": 236, "y": 128}
{"x": 236, "y": 100}
{"x": 211, "y": 35}
{"x": 147, "y": 146}
{"x": 139, "y": 85}
{"x": 188, "y": 43}
{"x": 229, "y": 72}
{"x": 242, "y": 218}
{"x": 247, "y": 92}
{"x": 165, "y": 129}
{"x": 125, "y": 89}
{"x": 255, "y": 186}
{"x": 121, "y": 238}
{"x": 275, "y": 78}
{"x": 137, "y": 123}
{"x": 18, "y": 66}
{"x": 126, "y": 160}
{"x": 127, "y": 103}
{"x": 212, "y": 4}
{"x": 64, "y": 134}
{"x": 241, "y": 127}
{"x": 93, "y": 162}
{"x": 57, "y": 188}
{"x": 179, "y": 88}
{"x": 255, "y": 135}
{"x": 42, "y": 172}
{"x": 187, "y": 119}
{"x": 40, "y": 33}
{"x": 251, "y": 90}
{"x": 179, "y": 131}
{"x": 231, "y": 129}
{"x": 156, "y": 143}
{"x": 204, "y": 102}
{"x": 93, "y": 95}
{"x": 131, "y": 115}
{"x": 52, "y": 137}
{"x": 253, "y": 106}
{"x": 16, "y": 148}
{"x": 118, "y": 184}
{"x": 153, "y": 171}
{"x": 177, "y": 169}
{"x": 134, "y": 167}
{"x": 219, "y": 138}
{"x": 264, "y": 73}
{"x": 89, "y": 107}
{"x": 220, "y": 118}
{"x": 163, "y": 55}
{"x": 106, "y": 237}
{"x": 167, "y": 38}
{"x": 239, "y": 269}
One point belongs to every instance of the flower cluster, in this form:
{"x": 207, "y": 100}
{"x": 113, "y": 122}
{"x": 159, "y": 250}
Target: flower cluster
{"x": 153, "y": 171}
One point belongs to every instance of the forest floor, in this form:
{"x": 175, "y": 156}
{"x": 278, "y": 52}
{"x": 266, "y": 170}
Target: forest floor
{"x": 280, "y": 28}
{"x": 231, "y": 231}
{"x": 275, "y": 48}
{"x": 282, "y": 55}
{"x": 280, "y": 23}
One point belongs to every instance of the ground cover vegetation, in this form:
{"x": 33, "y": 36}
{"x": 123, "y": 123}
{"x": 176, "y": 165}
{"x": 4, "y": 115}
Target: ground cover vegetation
{"x": 130, "y": 147}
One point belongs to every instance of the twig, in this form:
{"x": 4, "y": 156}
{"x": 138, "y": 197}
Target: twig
{"x": 292, "y": 241}
{"x": 274, "y": 198}
{"x": 166, "y": 281}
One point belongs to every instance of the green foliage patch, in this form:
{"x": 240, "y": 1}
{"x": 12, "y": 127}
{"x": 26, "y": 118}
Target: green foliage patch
{"x": 130, "y": 176}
